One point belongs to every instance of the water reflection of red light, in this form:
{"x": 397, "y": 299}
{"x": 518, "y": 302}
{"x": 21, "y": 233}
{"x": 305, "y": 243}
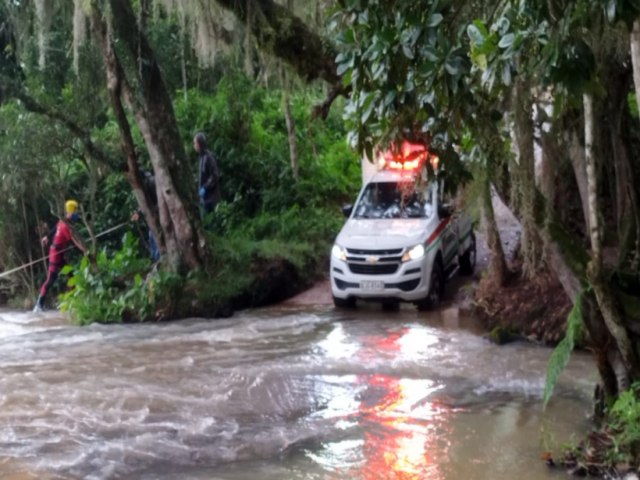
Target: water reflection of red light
{"x": 406, "y": 436}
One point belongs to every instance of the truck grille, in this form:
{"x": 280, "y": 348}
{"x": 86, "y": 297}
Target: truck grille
{"x": 374, "y": 262}
{"x": 360, "y": 251}
{"x": 373, "y": 269}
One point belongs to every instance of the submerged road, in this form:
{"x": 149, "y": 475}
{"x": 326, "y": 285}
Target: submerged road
{"x": 296, "y": 392}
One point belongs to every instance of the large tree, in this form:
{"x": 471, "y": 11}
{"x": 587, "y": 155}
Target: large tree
{"x": 408, "y": 69}
{"x": 137, "y": 89}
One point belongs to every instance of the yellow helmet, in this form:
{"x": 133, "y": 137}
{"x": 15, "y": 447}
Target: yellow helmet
{"x": 70, "y": 207}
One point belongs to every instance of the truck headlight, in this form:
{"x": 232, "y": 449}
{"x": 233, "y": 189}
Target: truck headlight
{"x": 414, "y": 253}
{"x": 338, "y": 252}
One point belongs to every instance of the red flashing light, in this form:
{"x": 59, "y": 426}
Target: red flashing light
{"x": 409, "y": 157}
{"x": 410, "y": 165}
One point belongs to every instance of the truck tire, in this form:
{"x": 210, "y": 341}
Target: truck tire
{"x": 344, "y": 302}
{"x": 467, "y": 260}
{"x": 436, "y": 289}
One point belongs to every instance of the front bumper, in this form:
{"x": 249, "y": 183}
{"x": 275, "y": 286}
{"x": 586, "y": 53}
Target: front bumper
{"x": 407, "y": 282}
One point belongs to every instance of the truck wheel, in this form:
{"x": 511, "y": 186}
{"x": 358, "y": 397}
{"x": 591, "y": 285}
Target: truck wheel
{"x": 436, "y": 289}
{"x": 344, "y": 302}
{"x": 468, "y": 258}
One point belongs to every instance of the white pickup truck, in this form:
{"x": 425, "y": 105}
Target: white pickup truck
{"x": 400, "y": 243}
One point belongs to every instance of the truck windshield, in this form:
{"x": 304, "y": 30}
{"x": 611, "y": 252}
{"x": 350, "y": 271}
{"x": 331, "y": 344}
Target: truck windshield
{"x": 394, "y": 200}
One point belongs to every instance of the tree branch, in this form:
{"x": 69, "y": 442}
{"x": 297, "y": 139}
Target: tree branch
{"x": 286, "y": 36}
{"x": 93, "y": 150}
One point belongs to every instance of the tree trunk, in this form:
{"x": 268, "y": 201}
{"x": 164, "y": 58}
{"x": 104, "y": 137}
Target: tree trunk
{"x": 550, "y": 153}
{"x": 576, "y": 155}
{"x": 635, "y": 58}
{"x": 635, "y": 61}
{"x": 115, "y": 87}
{"x": 626, "y": 197}
{"x": 607, "y": 303}
{"x": 248, "y": 44}
{"x": 568, "y": 259}
{"x": 532, "y": 251}
{"x": 291, "y": 128}
{"x": 498, "y": 270}
{"x": 157, "y": 123}
{"x": 288, "y": 116}
{"x": 602, "y": 347}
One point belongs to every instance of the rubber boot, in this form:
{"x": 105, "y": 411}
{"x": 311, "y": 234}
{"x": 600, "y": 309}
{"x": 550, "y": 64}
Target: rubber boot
{"x": 39, "y": 305}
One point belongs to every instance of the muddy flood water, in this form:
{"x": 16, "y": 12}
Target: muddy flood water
{"x": 280, "y": 393}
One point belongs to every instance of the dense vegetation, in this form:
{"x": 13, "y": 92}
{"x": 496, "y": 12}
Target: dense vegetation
{"x": 273, "y": 220}
{"x": 87, "y": 105}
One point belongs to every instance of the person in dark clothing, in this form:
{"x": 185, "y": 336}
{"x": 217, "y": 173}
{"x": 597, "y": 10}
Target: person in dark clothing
{"x": 62, "y": 237}
{"x": 149, "y": 186}
{"x": 208, "y": 175}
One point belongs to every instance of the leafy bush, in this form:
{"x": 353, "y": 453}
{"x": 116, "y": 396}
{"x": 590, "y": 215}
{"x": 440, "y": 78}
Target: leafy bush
{"x": 625, "y": 422}
{"x": 112, "y": 289}
{"x": 246, "y": 128}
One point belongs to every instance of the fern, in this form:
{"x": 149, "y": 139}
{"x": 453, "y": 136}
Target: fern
{"x": 561, "y": 354}
{"x": 625, "y": 418}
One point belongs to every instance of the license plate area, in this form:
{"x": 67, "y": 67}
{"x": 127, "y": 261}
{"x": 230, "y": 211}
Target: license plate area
{"x": 372, "y": 285}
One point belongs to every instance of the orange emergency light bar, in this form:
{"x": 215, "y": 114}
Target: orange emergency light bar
{"x": 409, "y": 157}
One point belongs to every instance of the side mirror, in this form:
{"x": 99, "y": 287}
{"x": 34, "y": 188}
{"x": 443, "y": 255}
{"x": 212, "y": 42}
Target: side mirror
{"x": 445, "y": 210}
{"x": 347, "y": 209}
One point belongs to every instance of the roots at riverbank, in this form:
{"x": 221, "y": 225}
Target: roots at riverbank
{"x": 535, "y": 309}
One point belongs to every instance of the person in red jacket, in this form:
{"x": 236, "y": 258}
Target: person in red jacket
{"x": 62, "y": 237}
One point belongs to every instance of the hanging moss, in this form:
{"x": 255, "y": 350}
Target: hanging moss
{"x": 208, "y": 27}
{"x": 44, "y": 15}
{"x": 79, "y": 30}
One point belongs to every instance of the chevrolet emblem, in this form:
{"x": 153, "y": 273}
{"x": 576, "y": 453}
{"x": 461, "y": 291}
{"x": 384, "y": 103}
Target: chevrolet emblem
{"x": 373, "y": 259}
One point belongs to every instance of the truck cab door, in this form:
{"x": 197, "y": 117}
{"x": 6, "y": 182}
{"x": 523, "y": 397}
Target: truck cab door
{"x": 446, "y": 212}
{"x": 449, "y": 235}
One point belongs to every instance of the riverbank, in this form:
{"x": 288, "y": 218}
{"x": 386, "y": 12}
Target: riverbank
{"x": 535, "y": 309}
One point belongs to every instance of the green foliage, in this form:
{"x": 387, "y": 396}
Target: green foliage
{"x": 408, "y": 69}
{"x": 633, "y": 105}
{"x": 246, "y": 129}
{"x": 114, "y": 205}
{"x": 624, "y": 419}
{"x": 240, "y": 261}
{"x": 499, "y": 51}
{"x": 112, "y": 288}
{"x": 317, "y": 226}
{"x": 43, "y": 165}
{"x": 262, "y": 201}
{"x": 562, "y": 353}
{"x": 36, "y": 176}
{"x": 405, "y": 66}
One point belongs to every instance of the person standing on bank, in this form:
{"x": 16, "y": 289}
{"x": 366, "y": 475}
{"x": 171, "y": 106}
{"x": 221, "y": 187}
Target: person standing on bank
{"x": 62, "y": 237}
{"x": 149, "y": 187}
{"x": 208, "y": 175}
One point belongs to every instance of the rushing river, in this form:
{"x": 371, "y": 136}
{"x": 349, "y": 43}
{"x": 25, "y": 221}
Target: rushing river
{"x": 280, "y": 393}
